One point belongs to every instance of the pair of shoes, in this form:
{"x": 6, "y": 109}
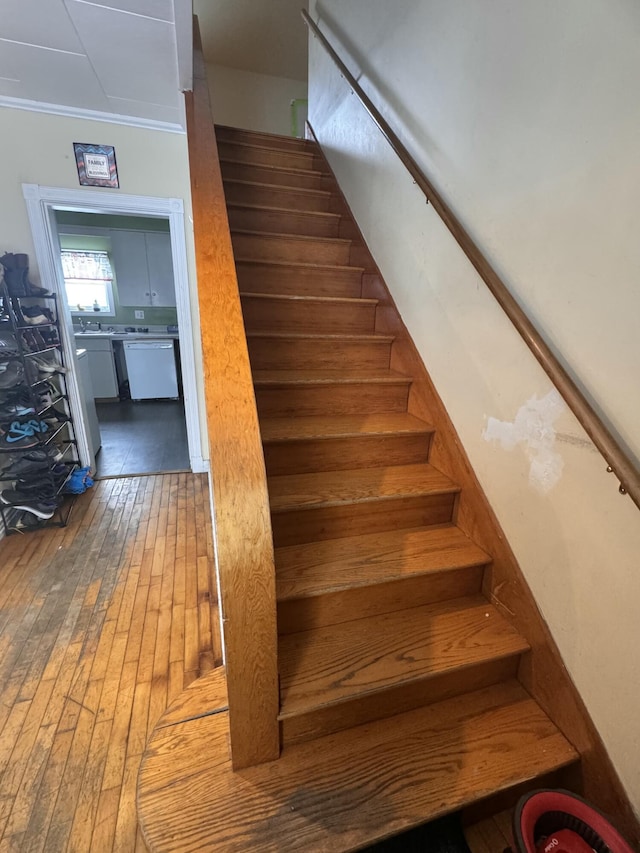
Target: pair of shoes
{"x": 34, "y": 487}
{"x": 47, "y": 395}
{"x": 36, "y": 315}
{"x": 47, "y": 364}
{"x": 48, "y": 455}
{"x": 33, "y": 340}
{"x": 40, "y": 505}
{"x": 24, "y": 467}
{"x": 16, "y": 276}
{"x": 11, "y": 374}
{"x": 8, "y": 345}
{"x": 10, "y": 410}
{"x": 23, "y": 521}
{"x": 23, "y": 433}
{"x": 54, "y": 417}
{"x": 19, "y": 395}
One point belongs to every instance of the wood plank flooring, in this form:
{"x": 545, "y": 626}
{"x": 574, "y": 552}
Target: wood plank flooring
{"x": 102, "y": 625}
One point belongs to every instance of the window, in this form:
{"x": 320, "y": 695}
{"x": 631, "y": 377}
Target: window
{"x": 88, "y": 281}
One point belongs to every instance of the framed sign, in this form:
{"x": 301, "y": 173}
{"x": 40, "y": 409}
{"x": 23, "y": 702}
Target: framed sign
{"x": 96, "y": 165}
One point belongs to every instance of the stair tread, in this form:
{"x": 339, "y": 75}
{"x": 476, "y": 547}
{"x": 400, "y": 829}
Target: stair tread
{"x": 322, "y": 300}
{"x": 284, "y": 170}
{"x": 328, "y": 377}
{"x": 337, "y": 488}
{"x": 311, "y": 336}
{"x": 330, "y": 665}
{"x": 237, "y": 143}
{"x": 296, "y": 264}
{"x": 347, "y": 790}
{"x": 340, "y": 426}
{"x": 235, "y": 132}
{"x": 333, "y": 565}
{"x": 284, "y": 188}
{"x": 284, "y": 236}
{"x": 312, "y": 214}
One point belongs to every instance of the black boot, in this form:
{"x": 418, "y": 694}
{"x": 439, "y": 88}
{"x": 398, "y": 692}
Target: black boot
{"x": 13, "y": 277}
{"x": 22, "y": 266}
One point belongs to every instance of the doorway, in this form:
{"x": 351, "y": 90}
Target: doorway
{"x": 120, "y": 295}
{"x": 138, "y": 433}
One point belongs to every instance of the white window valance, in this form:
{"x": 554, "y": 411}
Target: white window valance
{"x": 86, "y": 266}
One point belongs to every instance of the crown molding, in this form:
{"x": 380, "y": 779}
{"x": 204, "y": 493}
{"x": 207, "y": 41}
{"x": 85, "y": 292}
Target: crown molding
{"x": 89, "y": 115}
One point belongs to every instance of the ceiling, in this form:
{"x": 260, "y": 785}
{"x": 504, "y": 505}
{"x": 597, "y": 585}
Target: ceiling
{"x": 131, "y": 58}
{"x": 265, "y": 36}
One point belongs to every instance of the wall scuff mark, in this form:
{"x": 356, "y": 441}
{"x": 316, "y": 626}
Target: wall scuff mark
{"x": 533, "y": 428}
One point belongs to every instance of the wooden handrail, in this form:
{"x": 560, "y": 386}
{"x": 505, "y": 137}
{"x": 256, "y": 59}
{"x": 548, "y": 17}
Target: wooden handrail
{"x": 617, "y": 459}
{"x": 242, "y": 524}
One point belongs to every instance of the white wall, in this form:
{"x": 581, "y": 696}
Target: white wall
{"x": 253, "y": 101}
{"x": 37, "y": 148}
{"x": 526, "y": 117}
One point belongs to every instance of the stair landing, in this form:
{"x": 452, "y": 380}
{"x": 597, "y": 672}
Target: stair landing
{"x": 341, "y": 792}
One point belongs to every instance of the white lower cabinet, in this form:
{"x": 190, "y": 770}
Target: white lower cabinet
{"x": 101, "y": 366}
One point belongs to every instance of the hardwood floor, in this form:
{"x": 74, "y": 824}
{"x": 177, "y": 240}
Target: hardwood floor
{"x": 102, "y": 624}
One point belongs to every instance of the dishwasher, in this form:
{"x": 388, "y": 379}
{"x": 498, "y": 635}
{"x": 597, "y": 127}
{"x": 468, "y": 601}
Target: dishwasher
{"x": 151, "y": 366}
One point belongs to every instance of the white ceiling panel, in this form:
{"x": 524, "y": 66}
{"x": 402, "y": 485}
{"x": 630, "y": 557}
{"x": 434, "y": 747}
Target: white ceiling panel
{"x": 51, "y": 77}
{"x": 10, "y": 88}
{"x": 40, "y": 23}
{"x": 140, "y": 109}
{"x": 134, "y": 57}
{"x": 120, "y": 56}
{"x": 161, "y": 9}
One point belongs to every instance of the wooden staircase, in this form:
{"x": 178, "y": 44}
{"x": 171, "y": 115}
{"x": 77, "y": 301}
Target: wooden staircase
{"x": 399, "y": 693}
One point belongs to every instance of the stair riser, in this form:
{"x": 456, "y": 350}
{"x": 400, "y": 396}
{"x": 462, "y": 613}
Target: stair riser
{"x": 305, "y": 281}
{"x": 298, "y": 222}
{"x": 569, "y": 778}
{"x": 269, "y": 175}
{"x": 343, "y": 454}
{"x": 352, "y": 399}
{"x": 269, "y": 156}
{"x": 288, "y": 143}
{"x": 311, "y": 525}
{"x": 311, "y": 354}
{"x": 391, "y": 702}
{"x": 332, "y": 609}
{"x": 271, "y": 196}
{"x": 280, "y": 315}
{"x": 309, "y": 251}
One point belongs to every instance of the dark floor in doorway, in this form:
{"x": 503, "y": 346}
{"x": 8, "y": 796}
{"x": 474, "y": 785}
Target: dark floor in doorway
{"x": 444, "y": 835}
{"x": 142, "y": 437}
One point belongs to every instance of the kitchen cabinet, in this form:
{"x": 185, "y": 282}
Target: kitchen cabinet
{"x": 102, "y": 366}
{"x": 92, "y": 427}
{"x": 160, "y": 265}
{"x": 144, "y": 268}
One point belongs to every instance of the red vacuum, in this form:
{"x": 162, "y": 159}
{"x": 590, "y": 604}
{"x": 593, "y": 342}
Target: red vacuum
{"x": 559, "y": 822}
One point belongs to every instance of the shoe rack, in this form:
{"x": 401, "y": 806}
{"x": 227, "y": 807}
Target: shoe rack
{"x": 35, "y": 416}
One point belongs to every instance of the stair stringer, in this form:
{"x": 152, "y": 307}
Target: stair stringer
{"x": 541, "y": 671}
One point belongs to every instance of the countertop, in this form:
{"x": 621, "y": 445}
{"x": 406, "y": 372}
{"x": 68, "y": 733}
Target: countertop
{"x": 127, "y": 336}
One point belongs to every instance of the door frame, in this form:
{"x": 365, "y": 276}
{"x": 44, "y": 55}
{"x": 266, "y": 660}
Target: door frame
{"x": 41, "y": 203}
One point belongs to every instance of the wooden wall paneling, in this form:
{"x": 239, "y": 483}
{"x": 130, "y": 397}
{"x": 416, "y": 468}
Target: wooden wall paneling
{"x": 242, "y": 527}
